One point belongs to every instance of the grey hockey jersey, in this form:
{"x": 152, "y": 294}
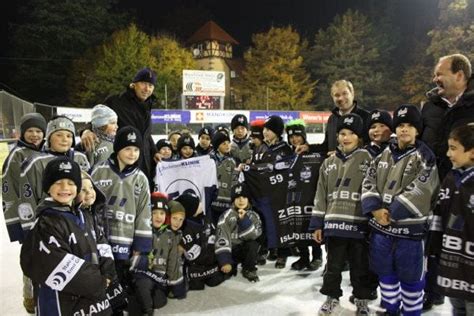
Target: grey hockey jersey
{"x": 127, "y": 207}
{"x": 240, "y": 150}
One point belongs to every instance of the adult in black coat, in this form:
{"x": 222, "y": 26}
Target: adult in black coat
{"x": 342, "y": 93}
{"x": 133, "y": 108}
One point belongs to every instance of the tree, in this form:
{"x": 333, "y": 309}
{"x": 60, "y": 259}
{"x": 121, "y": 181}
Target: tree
{"x": 172, "y": 58}
{"x": 274, "y": 72}
{"x": 350, "y": 49}
{"x": 454, "y": 32}
{"x": 51, "y": 36}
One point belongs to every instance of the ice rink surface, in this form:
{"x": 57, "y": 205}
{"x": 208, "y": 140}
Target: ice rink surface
{"x": 279, "y": 292}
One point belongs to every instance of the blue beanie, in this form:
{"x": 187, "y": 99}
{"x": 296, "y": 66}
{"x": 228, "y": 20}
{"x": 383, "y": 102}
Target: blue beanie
{"x": 145, "y": 75}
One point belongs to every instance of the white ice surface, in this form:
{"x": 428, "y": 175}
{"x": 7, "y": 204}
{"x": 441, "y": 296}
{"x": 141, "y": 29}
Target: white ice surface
{"x": 279, "y": 292}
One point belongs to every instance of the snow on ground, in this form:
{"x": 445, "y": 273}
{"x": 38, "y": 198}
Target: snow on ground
{"x": 279, "y": 292}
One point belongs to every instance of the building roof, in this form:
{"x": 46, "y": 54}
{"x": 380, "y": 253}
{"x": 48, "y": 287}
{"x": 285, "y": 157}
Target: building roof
{"x": 211, "y": 31}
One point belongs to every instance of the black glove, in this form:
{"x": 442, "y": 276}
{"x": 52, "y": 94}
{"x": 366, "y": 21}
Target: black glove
{"x": 116, "y": 295}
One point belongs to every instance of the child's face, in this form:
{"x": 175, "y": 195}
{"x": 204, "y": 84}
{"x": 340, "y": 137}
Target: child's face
{"x": 61, "y": 141}
{"x": 240, "y": 132}
{"x": 406, "y": 134}
{"x": 460, "y": 158}
{"x": 174, "y": 140}
{"x": 87, "y": 195}
{"x": 111, "y": 128}
{"x": 34, "y": 136}
{"x": 158, "y": 217}
{"x": 268, "y": 135}
{"x": 204, "y": 141}
{"x": 63, "y": 191}
{"x": 165, "y": 152}
{"x": 224, "y": 148}
{"x": 187, "y": 152}
{"x": 176, "y": 221}
{"x": 348, "y": 140}
{"x": 296, "y": 140}
{"x": 379, "y": 133}
{"x": 128, "y": 155}
{"x": 241, "y": 202}
{"x": 256, "y": 141}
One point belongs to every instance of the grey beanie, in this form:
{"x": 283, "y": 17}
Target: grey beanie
{"x": 32, "y": 120}
{"x": 59, "y": 123}
{"x": 102, "y": 115}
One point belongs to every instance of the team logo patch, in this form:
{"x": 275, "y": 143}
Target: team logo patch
{"x": 138, "y": 189}
{"x": 402, "y": 112}
{"x": 471, "y": 203}
{"x": 132, "y": 137}
{"x": 25, "y": 211}
{"x": 292, "y": 184}
{"x": 375, "y": 115}
{"x": 349, "y": 120}
{"x": 65, "y": 167}
{"x": 305, "y": 174}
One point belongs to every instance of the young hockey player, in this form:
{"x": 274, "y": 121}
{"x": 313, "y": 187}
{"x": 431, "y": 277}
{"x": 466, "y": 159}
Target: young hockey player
{"x": 165, "y": 149}
{"x": 257, "y": 145}
{"x": 173, "y": 137}
{"x": 186, "y": 147}
{"x": 204, "y": 146}
{"x": 398, "y": 193}
{"x": 276, "y": 150}
{"x": 338, "y": 220}
{"x": 32, "y": 131}
{"x": 60, "y": 133}
{"x": 104, "y": 126}
{"x": 164, "y": 271}
{"x": 226, "y": 174}
{"x": 452, "y": 228}
{"x": 295, "y": 129}
{"x": 127, "y": 194}
{"x": 380, "y": 130}
{"x": 198, "y": 243}
{"x": 60, "y": 253}
{"x": 236, "y": 234}
{"x": 240, "y": 145}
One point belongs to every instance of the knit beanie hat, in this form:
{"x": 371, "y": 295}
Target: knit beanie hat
{"x": 190, "y": 202}
{"x": 296, "y": 127}
{"x": 223, "y": 129}
{"x": 206, "y": 130}
{"x": 382, "y": 117}
{"x": 176, "y": 207}
{"x": 185, "y": 140}
{"x": 408, "y": 113}
{"x": 163, "y": 143}
{"x": 145, "y": 75}
{"x": 351, "y": 122}
{"x": 239, "y": 189}
{"x": 218, "y": 139}
{"x": 127, "y": 136}
{"x": 59, "y": 168}
{"x": 32, "y": 120}
{"x": 59, "y": 123}
{"x": 102, "y": 115}
{"x": 256, "y": 128}
{"x": 159, "y": 201}
{"x": 275, "y": 124}
{"x": 239, "y": 120}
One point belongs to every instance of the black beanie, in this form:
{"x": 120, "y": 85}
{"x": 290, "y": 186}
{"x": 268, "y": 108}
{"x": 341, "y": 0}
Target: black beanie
{"x": 190, "y": 202}
{"x": 159, "y": 201}
{"x": 256, "y": 129}
{"x": 163, "y": 143}
{"x": 351, "y": 122}
{"x": 382, "y": 117}
{"x": 275, "y": 124}
{"x": 239, "y": 120}
{"x": 218, "y": 139}
{"x": 223, "y": 129}
{"x": 408, "y": 113}
{"x": 239, "y": 189}
{"x": 32, "y": 120}
{"x": 296, "y": 129}
{"x": 145, "y": 75}
{"x": 206, "y": 130}
{"x": 127, "y": 136}
{"x": 61, "y": 168}
{"x": 185, "y": 140}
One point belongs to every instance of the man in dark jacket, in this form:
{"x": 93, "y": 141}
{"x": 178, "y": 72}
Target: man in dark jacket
{"x": 450, "y": 104}
{"x": 133, "y": 108}
{"x": 342, "y": 93}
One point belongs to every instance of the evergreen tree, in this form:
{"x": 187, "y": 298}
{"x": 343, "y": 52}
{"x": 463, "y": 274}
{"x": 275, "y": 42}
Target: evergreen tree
{"x": 49, "y": 36}
{"x": 274, "y": 72}
{"x": 350, "y": 49}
